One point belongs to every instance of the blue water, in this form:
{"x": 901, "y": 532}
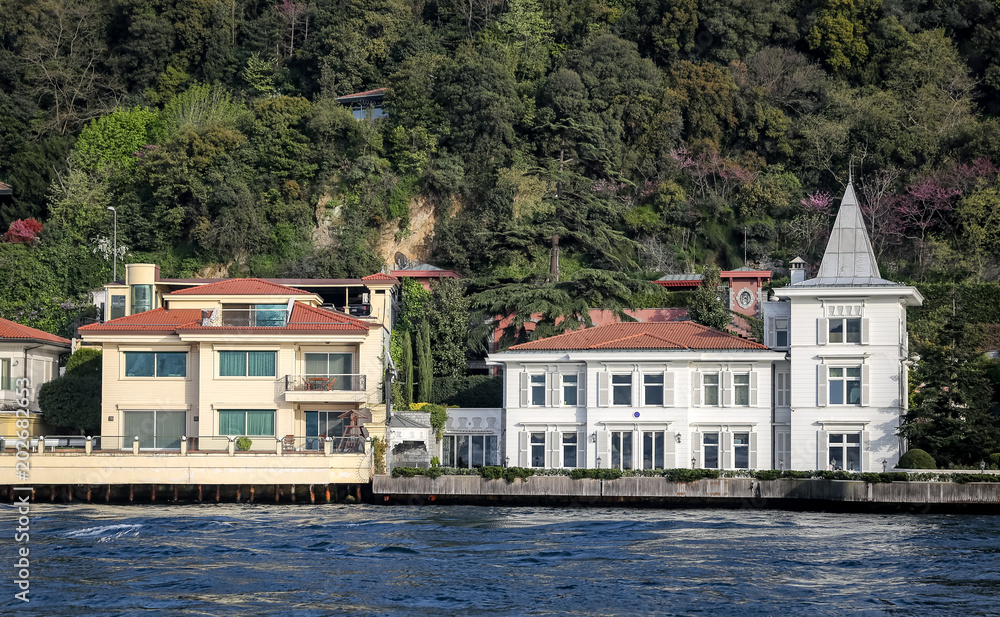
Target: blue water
{"x": 368, "y": 560}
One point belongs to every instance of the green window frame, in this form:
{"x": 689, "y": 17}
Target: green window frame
{"x": 156, "y": 364}
{"x": 250, "y": 422}
{"x": 247, "y": 363}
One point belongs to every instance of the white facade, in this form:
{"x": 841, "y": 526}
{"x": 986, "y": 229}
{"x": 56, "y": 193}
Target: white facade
{"x": 638, "y": 409}
{"x": 829, "y": 392}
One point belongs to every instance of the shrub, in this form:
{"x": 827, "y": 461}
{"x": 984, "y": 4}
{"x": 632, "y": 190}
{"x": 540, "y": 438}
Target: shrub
{"x": 595, "y": 474}
{"x": 766, "y": 474}
{"x": 994, "y": 460}
{"x": 690, "y": 475}
{"x": 915, "y": 458}
{"x": 243, "y": 444}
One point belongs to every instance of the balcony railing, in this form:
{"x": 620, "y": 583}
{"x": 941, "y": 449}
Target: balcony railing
{"x": 203, "y": 444}
{"x": 254, "y": 317}
{"x": 323, "y": 383}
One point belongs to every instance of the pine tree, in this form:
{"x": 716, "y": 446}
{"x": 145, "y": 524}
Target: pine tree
{"x": 407, "y": 369}
{"x": 706, "y": 308}
{"x": 949, "y": 403}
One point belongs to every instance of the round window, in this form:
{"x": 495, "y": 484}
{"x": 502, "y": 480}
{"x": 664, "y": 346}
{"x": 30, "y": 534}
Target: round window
{"x": 745, "y": 298}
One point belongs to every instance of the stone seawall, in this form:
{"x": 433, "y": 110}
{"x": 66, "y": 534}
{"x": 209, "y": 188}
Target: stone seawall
{"x": 813, "y": 493}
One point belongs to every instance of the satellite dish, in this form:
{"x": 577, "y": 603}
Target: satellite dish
{"x": 402, "y": 261}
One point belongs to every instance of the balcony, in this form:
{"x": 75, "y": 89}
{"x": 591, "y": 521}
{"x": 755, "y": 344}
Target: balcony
{"x": 259, "y": 316}
{"x": 344, "y": 388}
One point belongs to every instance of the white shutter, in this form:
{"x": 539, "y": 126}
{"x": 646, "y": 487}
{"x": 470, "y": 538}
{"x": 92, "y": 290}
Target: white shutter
{"x": 753, "y": 450}
{"x": 823, "y": 387}
{"x": 866, "y": 378}
{"x": 581, "y": 392}
{"x": 865, "y": 332}
{"x": 581, "y": 449}
{"x": 866, "y": 454}
{"x": 823, "y": 330}
{"x": 602, "y": 389}
{"x": 524, "y": 389}
{"x": 553, "y": 383}
{"x": 695, "y": 449}
{"x": 555, "y": 450}
{"x": 602, "y": 449}
{"x": 727, "y": 389}
{"x": 522, "y": 449}
{"x": 772, "y": 339}
{"x": 669, "y": 450}
{"x": 727, "y": 450}
{"x": 696, "y": 390}
{"x": 668, "y": 389}
{"x": 753, "y": 388}
{"x": 822, "y": 450}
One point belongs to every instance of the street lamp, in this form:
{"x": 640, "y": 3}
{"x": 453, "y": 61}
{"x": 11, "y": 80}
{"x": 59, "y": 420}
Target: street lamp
{"x": 114, "y": 254}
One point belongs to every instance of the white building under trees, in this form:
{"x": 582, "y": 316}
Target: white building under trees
{"x": 826, "y": 392}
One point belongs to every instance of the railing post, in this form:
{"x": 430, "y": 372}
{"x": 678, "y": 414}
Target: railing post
{"x": 328, "y": 446}
{"x": 278, "y": 446}
{"x": 89, "y": 445}
{"x": 232, "y": 446}
{"x": 184, "y": 445}
{"x": 40, "y": 444}
{"x": 135, "y": 445}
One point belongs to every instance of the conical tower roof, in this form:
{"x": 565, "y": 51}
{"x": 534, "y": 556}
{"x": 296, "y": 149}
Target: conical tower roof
{"x": 849, "y": 260}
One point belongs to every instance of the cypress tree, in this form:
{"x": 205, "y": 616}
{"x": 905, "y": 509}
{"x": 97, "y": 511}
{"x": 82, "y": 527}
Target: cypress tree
{"x": 407, "y": 369}
{"x": 425, "y": 362}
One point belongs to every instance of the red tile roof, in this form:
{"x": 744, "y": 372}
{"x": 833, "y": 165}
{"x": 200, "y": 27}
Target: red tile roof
{"x": 379, "y": 276}
{"x": 5, "y": 188}
{"x": 366, "y": 93}
{"x": 241, "y": 287}
{"x": 664, "y": 335}
{"x": 14, "y": 330}
{"x": 156, "y": 320}
{"x": 304, "y": 319}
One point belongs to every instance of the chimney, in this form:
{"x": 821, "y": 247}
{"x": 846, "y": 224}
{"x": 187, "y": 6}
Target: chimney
{"x": 798, "y": 270}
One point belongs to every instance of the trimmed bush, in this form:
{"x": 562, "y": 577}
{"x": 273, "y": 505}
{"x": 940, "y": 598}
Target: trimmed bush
{"x": 915, "y": 458}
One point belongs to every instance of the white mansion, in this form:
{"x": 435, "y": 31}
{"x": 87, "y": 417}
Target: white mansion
{"x": 826, "y": 392}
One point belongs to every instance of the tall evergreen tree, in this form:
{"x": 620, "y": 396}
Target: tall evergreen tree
{"x": 407, "y": 369}
{"x": 425, "y": 362}
{"x": 950, "y": 399}
{"x": 706, "y": 308}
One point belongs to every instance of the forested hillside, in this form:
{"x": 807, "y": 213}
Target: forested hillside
{"x": 623, "y": 136}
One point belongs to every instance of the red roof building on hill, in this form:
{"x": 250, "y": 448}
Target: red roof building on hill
{"x": 13, "y": 331}
{"x": 26, "y": 353}
{"x": 241, "y": 287}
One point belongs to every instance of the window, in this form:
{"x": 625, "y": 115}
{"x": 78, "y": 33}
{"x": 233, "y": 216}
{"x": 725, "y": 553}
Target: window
{"x": 845, "y": 451}
{"x": 781, "y": 332}
{"x": 741, "y": 387}
{"x": 470, "y": 450}
{"x": 653, "y": 390}
{"x": 652, "y": 449}
{"x": 710, "y": 383}
{"x": 6, "y": 383}
{"x": 246, "y": 364}
{"x": 710, "y": 448}
{"x": 741, "y": 450}
{"x": 621, "y": 449}
{"x": 845, "y": 330}
{"x": 845, "y": 385}
{"x": 254, "y": 422}
{"x": 156, "y": 364}
{"x": 538, "y": 390}
{"x": 621, "y": 389}
{"x": 254, "y": 315}
{"x": 330, "y": 371}
{"x": 782, "y": 389}
{"x": 325, "y": 424}
{"x": 142, "y": 298}
{"x": 538, "y": 449}
{"x": 155, "y": 429}
{"x": 117, "y": 307}
{"x": 569, "y": 390}
{"x": 569, "y": 446}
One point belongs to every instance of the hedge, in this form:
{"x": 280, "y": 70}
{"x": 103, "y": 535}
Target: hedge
{"x": 468, "y": 391}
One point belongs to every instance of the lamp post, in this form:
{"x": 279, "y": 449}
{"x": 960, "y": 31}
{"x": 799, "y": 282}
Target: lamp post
{"x": 114, "y": 253}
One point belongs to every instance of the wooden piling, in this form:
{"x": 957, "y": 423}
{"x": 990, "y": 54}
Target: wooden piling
{"x": 312, "y": 494}
{"x": 251, "y": 493}
{"x": 199, "y": 493}
{"x": 152, "y": 493}
{"x": 131, "y": 493}
{"x": 216, "y": 493}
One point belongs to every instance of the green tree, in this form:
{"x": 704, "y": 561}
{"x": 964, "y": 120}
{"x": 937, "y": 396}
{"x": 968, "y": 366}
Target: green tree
{"x": 839, "y": 29}
{"x": 112, "y": 142}
{"x": 448, "y": 313}
{"x": 73, "y": 401}
{"x": 950, "y": 397}
{"x": 407, "y": 344}
{"x": 706, "y": 308}
{"x": 425, "y": 363}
